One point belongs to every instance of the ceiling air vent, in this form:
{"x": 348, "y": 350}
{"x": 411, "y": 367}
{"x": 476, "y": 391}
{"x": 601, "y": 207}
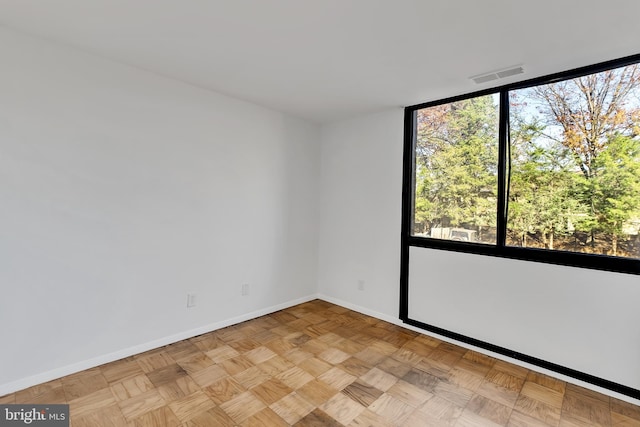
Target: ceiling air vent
{"x": 500, "y": 74}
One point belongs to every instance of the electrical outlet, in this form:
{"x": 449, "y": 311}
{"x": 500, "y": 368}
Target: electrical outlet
{"x": 245, "y": 289}
{"x": 191, "y": 300}
{"x": 360, "y": 285}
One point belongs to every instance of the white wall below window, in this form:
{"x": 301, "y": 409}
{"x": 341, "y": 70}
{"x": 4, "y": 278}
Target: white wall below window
{"x": 578, "y": 318}
{"x": 582, "y": 319}
{"x": 121, "y": 192}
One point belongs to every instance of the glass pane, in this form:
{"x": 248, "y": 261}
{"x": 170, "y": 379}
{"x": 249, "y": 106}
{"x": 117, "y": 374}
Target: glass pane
{"x": 575, "y": 165}
{"x": 457, "y": 171}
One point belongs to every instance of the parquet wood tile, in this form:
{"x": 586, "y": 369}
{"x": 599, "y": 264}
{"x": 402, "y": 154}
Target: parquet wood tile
{"x": 155, "y": 360}
{"x": 271, "y": 391}
{"x": 442, "y": 410}
{"x": 318, "y": 364}
{"x": 224, "y": 390}
{"x": 109, "y": 416}
{"x": 51, "y": 392}
{"x": 208, "y": 375}
{"x": 83, "y": 383}
{"x": 296, "y": 355}
{"x": 333, "y": 356}
{"x": 297, "y": 338}
{"x": 342, "y": 408}
{"x": 623, "y": 408}
{"x": 259, "y": 355}
{"x": 370, "y": 356}
{"x": 166, "y": 375}
{"x": 91, "y": 403}
{"x": 131, "y": 387}
{"x": 489, "y": 409}
{"x": 407, "y": 356}
{"x": 418, "y": 348}
{"x": 314, "y": 366}
{"x": 394, "y": 367}
{"x": 379, "y": 379}
{"x": 330, "y": 338}
{"x": 518, "y": 419}
{"x": 195, "y": 362}
{"x": 498, "y": 393}
{"x": 190, "y": 406}
{"x": 356, "y": 366}
{"x": 337, "y": 378}
{"x": 275, "y": 365}
{"x": 162, "y": 416}
{"x": 619, "y": 420}
{"x": 177, "y": 389}
{"x": 368, "y": 418}
{"x": 315, "y": 346}
{"x": 508, "y": 381}
{"x": 471, "y": 419}
{"x": 362, "y": 393}
{"x": 251, "y": 377}
{"x": 543, "y": 394}
{"x": 280, "y": 345}
{"x": 120, "y": 370}
{"x": 222, "y": 353}
{"x": 212, "y": 417}
{"x": 295, "y": 377}
{"x": 292, "y": 408}
{"x": 586, "y": 409}
{"x": 434, "y": 368}
{"x": 9, "y": 399}
{"x": 421, "y": 379}
{"x": 391, "y": 408}
{"x": 420, "y": 419}
{"x": 242, "y": 406}
{"x": 265, "y": 417}
{"x": 538, "y": 410}
{"x": 317, "y": 418}
{"x": 547, "y": 381}
{"x": 141, "y": 404}
{"x": 409, "y": 394}
{"x": 244, "y": 345}
{"x": 206, "y": 342}
{"x": 466, "y": 379}
{"x": 316, "y": 392}
{"x": 182, "y": 350}
{"x": 474, "y": 367}
{"x": 516, "y": 371}
{"x": 237, "y": 364}
{"x": 458, "y": 395}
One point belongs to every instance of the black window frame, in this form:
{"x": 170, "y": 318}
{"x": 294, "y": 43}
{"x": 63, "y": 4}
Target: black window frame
{"x": 500, "y": 249}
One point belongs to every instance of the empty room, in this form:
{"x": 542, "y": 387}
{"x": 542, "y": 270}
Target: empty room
{"x": 330, "y": 213}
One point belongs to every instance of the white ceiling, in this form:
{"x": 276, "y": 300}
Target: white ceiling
{"x": 325, "y": 60}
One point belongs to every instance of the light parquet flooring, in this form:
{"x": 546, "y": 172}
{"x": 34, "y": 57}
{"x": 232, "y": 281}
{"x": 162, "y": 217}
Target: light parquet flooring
{"x": 318, "y": 364}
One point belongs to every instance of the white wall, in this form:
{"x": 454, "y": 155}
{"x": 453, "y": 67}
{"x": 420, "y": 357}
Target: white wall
{"x": 360, "y": 199}
{"x": 121, "y": 191}
{"x": 583, "y": 319}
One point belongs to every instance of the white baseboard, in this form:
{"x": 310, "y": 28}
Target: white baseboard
{"x": 398, "y": 322}
{"x": 121, "y": 354}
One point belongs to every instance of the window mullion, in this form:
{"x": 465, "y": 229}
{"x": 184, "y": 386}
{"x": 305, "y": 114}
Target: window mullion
{"x": 503, "y": 152}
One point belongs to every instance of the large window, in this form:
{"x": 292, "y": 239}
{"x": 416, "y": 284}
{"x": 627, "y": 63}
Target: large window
{"x": 545, "y": 170}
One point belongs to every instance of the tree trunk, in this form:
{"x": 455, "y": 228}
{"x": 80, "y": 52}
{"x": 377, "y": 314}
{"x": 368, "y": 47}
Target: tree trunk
{"x": 551, "y": 239}
{"x": 614, "y": 245}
